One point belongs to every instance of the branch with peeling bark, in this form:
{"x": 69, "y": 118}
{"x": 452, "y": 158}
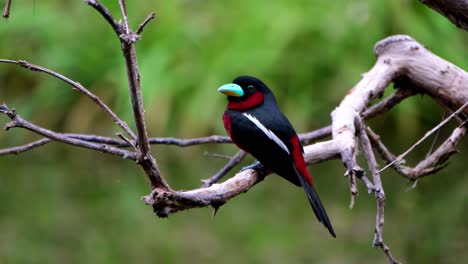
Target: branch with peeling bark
{"x": 398, "y": 57}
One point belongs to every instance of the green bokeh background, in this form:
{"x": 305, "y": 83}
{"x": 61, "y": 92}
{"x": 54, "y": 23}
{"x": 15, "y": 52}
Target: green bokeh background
{"x": 60, "y": 204}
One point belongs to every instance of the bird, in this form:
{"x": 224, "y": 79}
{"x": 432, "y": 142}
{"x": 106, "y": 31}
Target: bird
{"x": 255, "y": 124}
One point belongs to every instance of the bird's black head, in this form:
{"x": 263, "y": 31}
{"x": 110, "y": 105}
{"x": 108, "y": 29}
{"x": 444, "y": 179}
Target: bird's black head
{"x": 246, "y": 91}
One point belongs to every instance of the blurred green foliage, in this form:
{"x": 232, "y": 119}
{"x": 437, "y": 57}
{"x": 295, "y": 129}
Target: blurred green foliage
{"x": 62, "y": 204}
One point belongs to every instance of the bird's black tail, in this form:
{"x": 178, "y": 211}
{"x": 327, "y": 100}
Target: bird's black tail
{"x": 316, "y": 204}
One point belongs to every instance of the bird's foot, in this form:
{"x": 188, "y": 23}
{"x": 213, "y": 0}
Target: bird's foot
{"x": 258, "y": 167}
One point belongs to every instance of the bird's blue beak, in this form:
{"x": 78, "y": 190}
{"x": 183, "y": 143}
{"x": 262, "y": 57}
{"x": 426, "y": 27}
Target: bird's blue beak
{"x": 231, "y": 89}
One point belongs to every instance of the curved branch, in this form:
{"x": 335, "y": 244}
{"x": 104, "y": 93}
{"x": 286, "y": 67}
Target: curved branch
{"x": 76, "y": 86}
{"x": 17, "y": 121}
{"x": 106, "y": 14}
{"x": 455, "y": 10}
{"x": 6, "y": 11}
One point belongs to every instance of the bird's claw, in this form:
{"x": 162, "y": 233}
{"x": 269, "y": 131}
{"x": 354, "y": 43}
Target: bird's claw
{"x": 252, "y": 166}
{"x": 257, "y": 166}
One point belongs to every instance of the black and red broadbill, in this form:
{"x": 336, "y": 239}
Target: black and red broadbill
{"x": 255, "y": 124}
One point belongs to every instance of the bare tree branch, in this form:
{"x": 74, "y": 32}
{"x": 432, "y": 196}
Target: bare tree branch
{"x": 19, "y": 149}
{"x": 429, "y": 133}
{"x": 17, "y": 121}
{"x": 106, "y": 14}
{"x": 387, "y": 103}
{"x": 127, "y": 38}
{"x": 145, "y": 22}
{"x": 120, "y": 143}
{"x": 379, "y": 191}
{"x": 455, "y": 10}
{"x": 168, "y": 202}
{"x": 78, "y": 87}
{"x": 430, "y": 165}
{"x": 6, "y": 12}
{"x": 236, "y": 159}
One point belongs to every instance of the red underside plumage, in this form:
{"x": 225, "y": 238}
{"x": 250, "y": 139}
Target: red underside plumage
{"x": 253, "y": 100}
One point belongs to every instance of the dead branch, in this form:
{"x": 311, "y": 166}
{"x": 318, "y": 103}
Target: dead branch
{"x": 17, "y": 121}
{"x": 428, "y": 134}
{"x": 145, "y": 22}
{"x": 6, "y": 11}
{"x": 127, "y": 40}
{"x": 19, "y": 149}
{"x": 78, "y": 87}
{"x": 454, "y": 10}
{"x": 430, "y": 164}
{"x": 236, "y": 159}
{"x": 168, "y": 202}
{"x": 378, "y": 190}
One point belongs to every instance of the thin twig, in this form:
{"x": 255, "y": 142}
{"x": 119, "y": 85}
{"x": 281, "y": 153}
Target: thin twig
{"x": 106, "y": 14}
{"x": 128, "y": 141}
{"x": 6, "y": 12}
{"x": 123, "y": 9}
{"x": 353, "y": 189}
{"x": 217, "y": 155}
{"x": 145, "y": 22}
{"x": 430, "y": 132}
{"x": 236, "y": 159}
{"x": 120, "y": 143}
{"x": 436, "y": 137}
{"x": 17, "y": 121}
{"x": 215, "y": 139}
{"x": 26, "y": 147}
{"x": 78, "y": 87}
{"x": 387, "y": 103}
{"x": 379, "y": 191}
{"x": 431, "y": 164}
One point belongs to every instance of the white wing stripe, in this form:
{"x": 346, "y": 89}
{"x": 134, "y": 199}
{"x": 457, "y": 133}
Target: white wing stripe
{"x": 267, "y": 132}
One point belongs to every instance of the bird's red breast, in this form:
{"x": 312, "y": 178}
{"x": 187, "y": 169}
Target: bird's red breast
{"x": 227, "y": 124}
{"x": 254, "y": 100}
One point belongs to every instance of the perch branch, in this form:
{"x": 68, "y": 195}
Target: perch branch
{"x": 168, "y": 202}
